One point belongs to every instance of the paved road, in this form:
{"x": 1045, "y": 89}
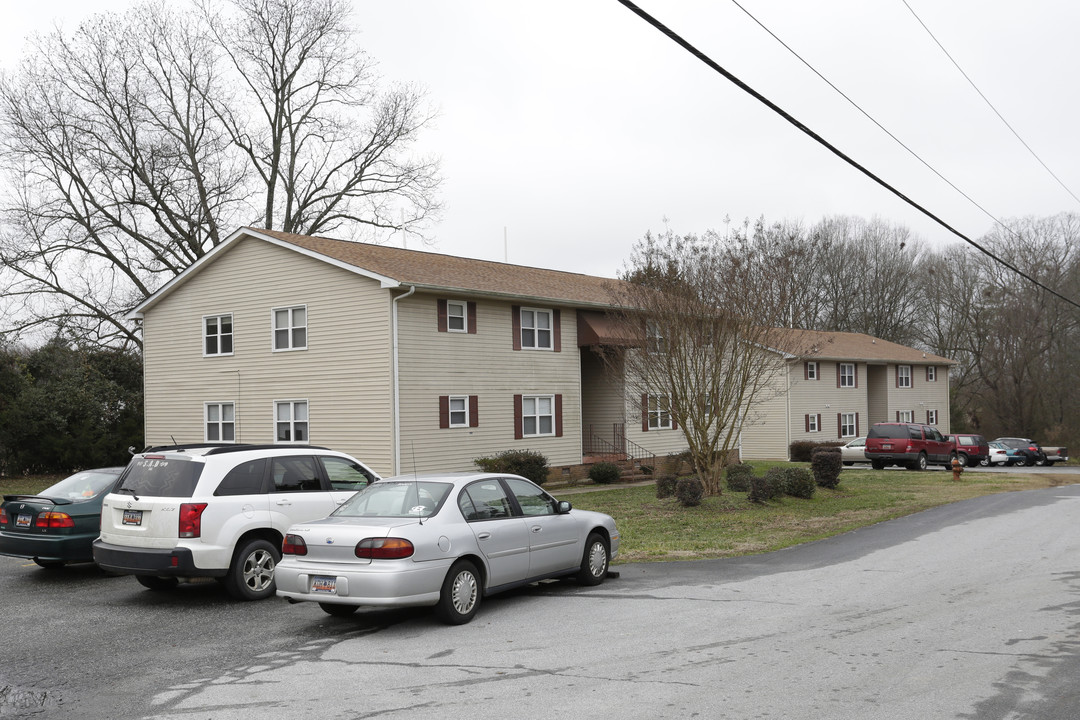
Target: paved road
{"x": 965, "y": 611}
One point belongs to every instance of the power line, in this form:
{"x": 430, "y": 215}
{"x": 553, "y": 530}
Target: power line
{"x": 987, "y": 101}
{"x": 678, "y": 40}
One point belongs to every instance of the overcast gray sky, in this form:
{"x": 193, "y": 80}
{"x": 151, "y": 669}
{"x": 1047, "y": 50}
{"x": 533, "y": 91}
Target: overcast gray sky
{"x": 577, "y": 127}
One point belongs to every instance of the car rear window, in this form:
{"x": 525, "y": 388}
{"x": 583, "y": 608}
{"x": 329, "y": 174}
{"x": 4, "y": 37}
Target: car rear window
{"x": 968, "y": 440}
{"x": 161, "y": 477}
{"x": 896, "y": 432}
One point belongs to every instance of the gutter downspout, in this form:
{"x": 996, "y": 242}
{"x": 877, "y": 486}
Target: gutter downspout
{"x": 395, "y": 383}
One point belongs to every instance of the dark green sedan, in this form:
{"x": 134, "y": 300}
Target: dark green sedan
{"x": 59, "y": 524}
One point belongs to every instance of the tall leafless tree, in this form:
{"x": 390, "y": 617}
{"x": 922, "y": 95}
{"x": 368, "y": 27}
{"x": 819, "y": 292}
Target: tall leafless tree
{"x": 134, "y": 145}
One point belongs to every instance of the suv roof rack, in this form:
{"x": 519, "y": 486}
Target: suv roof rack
{"x": 219, "y": 449}
{"x": 185, "y": 446}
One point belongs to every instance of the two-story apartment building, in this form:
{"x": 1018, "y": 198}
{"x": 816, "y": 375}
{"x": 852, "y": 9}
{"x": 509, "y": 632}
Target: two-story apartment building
{"x": 417, "y": 360}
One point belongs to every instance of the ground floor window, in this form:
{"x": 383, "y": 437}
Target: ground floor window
{"x": 848, "y": 425}
{"x": 291, "y": 421}
{"x": 220, "y": 422}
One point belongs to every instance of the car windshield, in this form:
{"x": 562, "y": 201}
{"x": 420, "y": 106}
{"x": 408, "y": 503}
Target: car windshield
{"x": 81, "y": 486}
{"x": 160, "y": 476}
{"x": 897, "y": 432}
{"x": 396, "y": 499}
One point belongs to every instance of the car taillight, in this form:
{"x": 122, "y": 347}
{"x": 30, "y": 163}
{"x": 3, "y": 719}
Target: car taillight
{"x": 54, "y": 519}
{"x": 191, "y": 519}
{"x": 384, "y": 548}
{"x": 293, "y": 545}
{"x": 3, "y": 517}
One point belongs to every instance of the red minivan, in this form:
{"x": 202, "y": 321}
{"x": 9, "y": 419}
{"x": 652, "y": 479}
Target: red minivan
{"x": 909, "y": 444}
{"x": 970, "y": 449}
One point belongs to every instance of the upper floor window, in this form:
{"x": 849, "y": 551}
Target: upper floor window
{"x": 536, "y": 328}
{"x": 931, "y": 373}
{"x": 291, "y": 421}
{"x": 903, "y": 376}
{"x": 654, "y": 335}
{"x": 217, "y": 335}
{"x": 220, "y": 422}
{"x": 456, "y": 316}
{"x": 846, "y": 375}
{"x": 811, "y": 372}
{"x": 290, "y": 328}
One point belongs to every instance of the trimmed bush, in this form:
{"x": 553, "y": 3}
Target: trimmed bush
{"x": 526, "y": 463}
{"x": 665, "y": 486}
{"x": 767, "y": 487}
{"x": 689, "y": 491}
{"x": 826, "y": 464}
{"x": 604, "y": 473}
{"x": 738, "y": 477}
{"x": 803, "y": 450}
{"x": 799, "y": 482}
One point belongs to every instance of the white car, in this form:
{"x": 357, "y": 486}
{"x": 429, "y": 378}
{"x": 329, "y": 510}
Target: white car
{"x": 442, "y": 540}
{"x": 852, "y": 452}
{"x": 197, "y": 511}
{"x": 999, "y": 455}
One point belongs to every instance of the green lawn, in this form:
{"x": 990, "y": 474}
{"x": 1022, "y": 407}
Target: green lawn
{"x": 730, "y": 525}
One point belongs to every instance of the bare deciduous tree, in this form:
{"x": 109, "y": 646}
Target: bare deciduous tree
{"x": 131, "y": 147}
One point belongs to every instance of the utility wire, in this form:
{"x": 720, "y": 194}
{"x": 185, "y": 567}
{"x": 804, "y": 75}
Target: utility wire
{"x": 987, "y": 101}
{"x": 678, "y": 40}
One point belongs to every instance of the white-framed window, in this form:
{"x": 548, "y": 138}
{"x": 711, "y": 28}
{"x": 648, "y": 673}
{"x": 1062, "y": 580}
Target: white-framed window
{"x": 291, "y": 421}
{"x": 217, "y": 335}
{"x": 931, "y": 373}
{"x": 659, "y": 412}
{"x": 220, "y": 422}
{"x": 290, "y": 328}
{"x": 537, "y": 415}
{"x": 905, "y": 416}
{"x": 457, "y": 316}
{"x": 848, "y": 425}
{"x": 812, "y": 423}
{"x": 654, "y": 336}
{"x": 903, "y": 376}
{"x": 536, "y": 329}
{"x": 459, "y": 411}
{"x": 931, "y": 417}
{"x": 812, "y": 370}
{"x": 847, "y": 375}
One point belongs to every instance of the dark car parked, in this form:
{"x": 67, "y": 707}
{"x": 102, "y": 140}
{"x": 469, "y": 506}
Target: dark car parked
{"x": 912, "y": 445}
{"x": 970, "y": 449}
{"x": 59, "y": 524}
{"x": 1027, "y": 450}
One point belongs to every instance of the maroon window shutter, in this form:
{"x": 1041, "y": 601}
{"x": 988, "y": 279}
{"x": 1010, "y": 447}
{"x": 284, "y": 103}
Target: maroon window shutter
{"x": 474, "y": 411}
{"x": 856, "y": 424}
{"x": 855, "y": 370}
{"x": 442, "y": 316}
{"x": 819, "y": 423}
{"x": 806, "y": 372}
{"x": 897, "y": 376}
{"x": 806, "y": 420}
{"x": 837, "y": 374}
{"x": 558, "y": 416}
{"x": 517, "y": 418}
{"x": 556, "y": 330}
{"x": 644, "y": 412}
{"x": 472, "y": 318}
{"x": 928, "y": 418}
{"x": 671, "y": 411}
{"x": 839, "y": 426}
{"x": 515, "y": 323}
{"x": 444, "y": 411}
{"x": 897, "y": 416}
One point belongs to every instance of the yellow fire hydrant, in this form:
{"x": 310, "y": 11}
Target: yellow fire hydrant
{"x": 957, "y": 468}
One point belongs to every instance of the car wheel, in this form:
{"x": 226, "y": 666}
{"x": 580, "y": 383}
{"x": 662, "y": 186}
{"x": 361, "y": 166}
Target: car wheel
{"x": 964, "y": 462}
{"x": 1028, "y": 461}
{"x": 338, "y": 610}
{"x": 460, "y": 596}
{"x": 877, "y": 465}
{"x": 594, "y": 562}
{"x": 985, "y": 462}
{"x": 849, "y": 462}
{"x": 919, "y": 463}
{"x": 153, "y": 582}
{"x": 49, "y": 564}
{"x": 251, "y": 575}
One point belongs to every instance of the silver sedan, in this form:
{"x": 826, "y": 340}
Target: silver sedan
{"x": 444, "y": 540}
{"x": 852, "y": 452}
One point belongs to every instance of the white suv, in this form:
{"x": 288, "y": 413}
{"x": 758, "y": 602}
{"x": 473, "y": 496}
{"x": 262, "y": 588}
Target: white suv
{"x": 196, "y": 511}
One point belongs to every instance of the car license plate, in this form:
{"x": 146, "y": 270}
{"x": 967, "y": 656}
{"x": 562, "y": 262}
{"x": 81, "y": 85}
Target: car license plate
{"x": 133, "y": 517}
{"x": 323, "y": 584}
{"x": 886, "y": 446}
{"x": 23, "y": 521}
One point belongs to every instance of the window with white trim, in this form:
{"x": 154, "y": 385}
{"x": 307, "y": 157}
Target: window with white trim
{"x": 903, "y": 376}
{"x": 291, "y": 421}
{"x": 812, "y": 370}
{"x": 220, "y": 422}
{"x": 659, "y": 412}
{"x": 847, "y": 425}
{"x": 459, "y": 411}
{"x": 536, "y": 328}
{"x": 812, "y": 423}
{"x": 847, "y": 375}
{"x": 217, "y": 335}
{"x": 537, "y": 415}
{"x": 290, "y": 328}
{"x": 931, "y": 417}
{"x": 457, "y": 317}
{"x": 905, "y": 416}
{"x": 654, "y": 336}
{"x": 931, "y": 373}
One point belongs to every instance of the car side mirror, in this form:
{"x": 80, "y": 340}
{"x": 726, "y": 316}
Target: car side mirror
{"x": 565, "y": 507}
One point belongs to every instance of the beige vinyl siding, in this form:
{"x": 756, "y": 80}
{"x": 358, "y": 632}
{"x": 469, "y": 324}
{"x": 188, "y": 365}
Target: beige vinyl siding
{"x": 823, "y": 397}
{"x": 877, "y": 394}
{"x": 766, "y": 430}
{"x": 484, "y": 364}
{"x": 601, "y": 398}
{"x": 344, "y": 375}
{"x": 920, "y": 397}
